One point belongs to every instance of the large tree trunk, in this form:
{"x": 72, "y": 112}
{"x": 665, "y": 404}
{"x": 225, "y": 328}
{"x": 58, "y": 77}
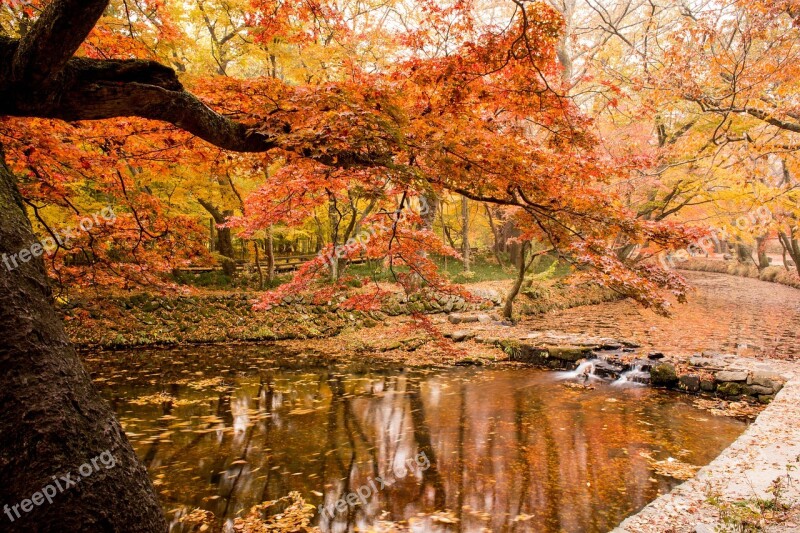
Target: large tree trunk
{"x": 53, "y": 419}
{"x": 761, "y": 249}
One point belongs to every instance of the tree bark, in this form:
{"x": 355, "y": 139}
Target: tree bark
{"x": 495, "y": 236}
{"x": 224, "y": 244}
{"x": 465, "y": 232}
{"x": 53, "y": 419}
{"x": 522, "y": 268}
{"x": 270, "y": 257}
{"x": 761, "y": 250}
{"x": 258, "y": 265}
{"x": 792, "y": 246}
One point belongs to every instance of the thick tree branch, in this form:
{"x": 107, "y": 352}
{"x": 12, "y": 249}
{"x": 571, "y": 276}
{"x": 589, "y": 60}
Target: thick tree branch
{"x": 53, "y": 39}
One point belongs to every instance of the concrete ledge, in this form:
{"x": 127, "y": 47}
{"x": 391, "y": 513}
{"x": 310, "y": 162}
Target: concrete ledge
{"x": 743, "y": 471}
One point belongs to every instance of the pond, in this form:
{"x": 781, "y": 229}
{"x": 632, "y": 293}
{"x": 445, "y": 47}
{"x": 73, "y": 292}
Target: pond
{"x": 461, "y": 449}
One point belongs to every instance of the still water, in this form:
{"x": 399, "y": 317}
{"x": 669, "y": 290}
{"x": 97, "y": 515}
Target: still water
{"x": 503, "y": 448}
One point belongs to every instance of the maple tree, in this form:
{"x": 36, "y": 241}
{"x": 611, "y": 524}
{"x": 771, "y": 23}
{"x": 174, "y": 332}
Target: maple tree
{"x": 360, "y": 120}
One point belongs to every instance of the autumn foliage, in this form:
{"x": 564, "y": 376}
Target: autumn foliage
{"x": 376, "y": 111}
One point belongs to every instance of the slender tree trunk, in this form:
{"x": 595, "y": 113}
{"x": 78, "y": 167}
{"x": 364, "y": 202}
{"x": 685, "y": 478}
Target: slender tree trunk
{"x": 465, "y": 232}
{"x": 258, "y": 266}
{"x": 335, "y": 218}
{"x": 792, "y": 246}
{"x": 495, "y": 236}
{"x": 761, "y": 248}
{"x": 212, "y": 235}
{"x": 53, "y": 419}
{"x": 270, "y": 257}
{"x": 430, "y": 204}
{"x": 508, "y": 306}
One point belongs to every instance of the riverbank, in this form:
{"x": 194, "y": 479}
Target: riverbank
{"x": 751, "y": 486}
{"x": 120, "y": 321}
{"x": 773, "y": 274}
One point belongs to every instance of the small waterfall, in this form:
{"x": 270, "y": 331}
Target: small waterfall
{"x": 635, "y": 376}
{"x": 584, "y": 371}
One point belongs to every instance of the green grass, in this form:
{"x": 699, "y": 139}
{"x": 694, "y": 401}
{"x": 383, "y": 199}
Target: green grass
{"x": 483, "y": 268}
{"x": 219, "y": 280}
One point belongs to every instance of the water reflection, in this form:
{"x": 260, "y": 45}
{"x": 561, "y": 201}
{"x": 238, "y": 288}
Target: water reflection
{"x": 510, "y": 449}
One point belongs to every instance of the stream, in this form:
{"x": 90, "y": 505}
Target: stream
{"x": 503, "y": 448}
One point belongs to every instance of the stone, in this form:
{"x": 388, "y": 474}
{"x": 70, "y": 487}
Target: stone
{"x": 461, "y": 335}
{"x": 568, "y": 353}
{"x": 731, "y": 388}
{"x": 458, "y": 318}
{"x": 708, "y": 385}
{"x": 607, "y": 369}
{"x": 759, "y": 389}
{"x": 765, "y": 378}
{"x": 468, "y": 362}
{"x": 731, "y": 376}
{"x": 525, "y": 353}
{"x": 484, "y": 318}
{"x": 701, "y": 361}
{"x": 610, "y": 346}
{"x": 655, "y": 355}
{"x": 766, "y": 398}
{"x": 690, "y": 382}
{"x": 663, "y": 375}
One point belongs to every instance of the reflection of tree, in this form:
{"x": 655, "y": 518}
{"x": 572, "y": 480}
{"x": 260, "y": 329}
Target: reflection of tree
{"x": 265, "y": 410}
{"x": 538, "y": 414}
{"x": 339, "y": 408}
{"x": 431, "y": 477}
{"x": 243, "y": 457}
{"x": 523, "y": 450}
{"x": 462, "y": 425}
{"x": 163, "y": 423}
